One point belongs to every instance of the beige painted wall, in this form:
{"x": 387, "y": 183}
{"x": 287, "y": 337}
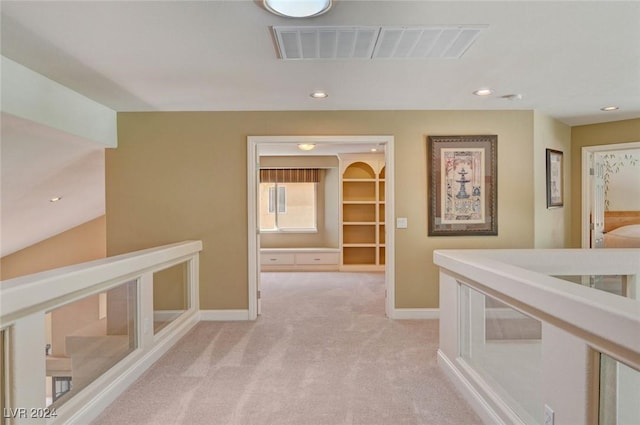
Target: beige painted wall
{"x": 552, "y": 225}
{"x": 593, "y": 135}
{"x": 85, "y": 242}
{"x": 182, "y": 175}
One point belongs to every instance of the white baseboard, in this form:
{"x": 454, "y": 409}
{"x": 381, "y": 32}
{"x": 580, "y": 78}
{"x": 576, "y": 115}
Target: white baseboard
{"x": 166, "y": 315}
{"x": 415, "y": 313}
{"x": 88, "y": 404}
{"x": 223, "y": 315}
{"x": 473, "y": 397}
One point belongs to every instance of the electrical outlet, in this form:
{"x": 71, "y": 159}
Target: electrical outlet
{"x": 549, "y": 415}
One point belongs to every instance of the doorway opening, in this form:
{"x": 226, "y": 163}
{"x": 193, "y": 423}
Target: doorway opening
{"x": 594, "y": 190}
{"x": 337, "y": 146}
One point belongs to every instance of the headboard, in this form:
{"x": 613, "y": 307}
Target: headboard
{"x": 615, "y": 219}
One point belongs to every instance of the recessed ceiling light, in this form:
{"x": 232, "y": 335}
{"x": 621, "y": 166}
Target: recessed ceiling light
{"x": 374, "y": 150}
{"x": 306, "y": 146}
{"x": 483, "y": 92}
{"x": 297, "y": 8}
{"x": 56, "y": 199}
{"x": 609, "y": 108}
{"x": 319, "y": 94}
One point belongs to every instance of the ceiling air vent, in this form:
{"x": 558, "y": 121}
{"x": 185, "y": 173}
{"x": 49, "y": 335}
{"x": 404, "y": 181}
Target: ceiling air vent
{"x": 424, "y": 42}
{"x": 297, "y": 43}
{"x": 303, "y": 43}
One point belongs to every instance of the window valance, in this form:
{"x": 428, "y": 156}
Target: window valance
{"x": 290, "y": 175}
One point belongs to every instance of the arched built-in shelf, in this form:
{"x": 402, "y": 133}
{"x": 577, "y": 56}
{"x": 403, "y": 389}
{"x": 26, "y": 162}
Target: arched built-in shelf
{"x": 362, "y": 240}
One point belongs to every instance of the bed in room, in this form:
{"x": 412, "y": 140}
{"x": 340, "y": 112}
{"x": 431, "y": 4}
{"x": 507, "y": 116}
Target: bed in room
{"x": 622, "y": 229}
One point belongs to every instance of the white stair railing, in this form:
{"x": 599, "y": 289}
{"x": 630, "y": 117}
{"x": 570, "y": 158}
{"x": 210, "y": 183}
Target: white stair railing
{"x": 114, "y": 350}
{"x": 524, "y": 344}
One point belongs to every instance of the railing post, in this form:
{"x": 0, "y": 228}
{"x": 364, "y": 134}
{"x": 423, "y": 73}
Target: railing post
{"x": 193, "y": 266}
{"x": 449, "y": 316}
{"x": 145, "y": 306}
{"x": 28, "y": 370}
{"x": 567, "y": 368}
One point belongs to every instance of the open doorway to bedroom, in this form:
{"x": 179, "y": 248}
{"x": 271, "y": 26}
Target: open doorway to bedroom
{"x": 611, "y": 195}
{"x": 328, "y": 208}
{"x": 610, "y": 207}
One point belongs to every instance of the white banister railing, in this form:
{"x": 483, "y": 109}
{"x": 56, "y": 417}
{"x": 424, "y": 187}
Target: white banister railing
{"x": 105, "y": 331}
{"x": 511, "y": 313}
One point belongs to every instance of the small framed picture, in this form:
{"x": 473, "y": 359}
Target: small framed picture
{"x": 555, "y": 179}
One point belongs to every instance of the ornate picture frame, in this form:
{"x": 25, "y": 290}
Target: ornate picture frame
{"x": 463, "y": 185}
{"x": 555, "y": 178}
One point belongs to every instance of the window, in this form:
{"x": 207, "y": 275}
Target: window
{"x": 288, "y": 207}
{"x": 288, "y": 199}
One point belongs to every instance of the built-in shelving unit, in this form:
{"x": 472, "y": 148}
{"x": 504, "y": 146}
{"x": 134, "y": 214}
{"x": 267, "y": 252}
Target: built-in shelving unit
{"x": 362, "y": 215}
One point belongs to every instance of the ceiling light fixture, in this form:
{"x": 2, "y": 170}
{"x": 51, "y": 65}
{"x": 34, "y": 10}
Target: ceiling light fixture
{"x": 297, "y": 8}
{"x": 483, "y": 92}
{"x": 319, "y": 94}
{"x": 609, "y": 108}
{"x": 306, "y": 146}
{"x": 56, "y": 199}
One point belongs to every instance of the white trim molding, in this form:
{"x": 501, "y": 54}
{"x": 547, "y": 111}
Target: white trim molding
{"x": 223, "y": 315}
{"x": 415, "y": 313}
{"x": 487, "y": 414}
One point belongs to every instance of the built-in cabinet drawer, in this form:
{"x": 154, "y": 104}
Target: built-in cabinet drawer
{"x": 299, "y": 259}
{"x": 277, "y": 259}
{"x": 318, "y": 258}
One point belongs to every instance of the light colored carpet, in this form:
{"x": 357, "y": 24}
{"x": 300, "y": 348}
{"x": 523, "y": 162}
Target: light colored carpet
{"x": 322, "y": 353}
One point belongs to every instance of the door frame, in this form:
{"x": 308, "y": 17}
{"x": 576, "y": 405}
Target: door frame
{"x": 253, "y": 250}
{"x": 587, "y": 160}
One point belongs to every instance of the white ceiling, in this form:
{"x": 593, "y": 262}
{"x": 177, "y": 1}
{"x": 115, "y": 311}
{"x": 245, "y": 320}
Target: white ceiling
{"x": 567, "y": 58}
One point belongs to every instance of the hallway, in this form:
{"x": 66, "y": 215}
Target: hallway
{"x": 321, "y": 353}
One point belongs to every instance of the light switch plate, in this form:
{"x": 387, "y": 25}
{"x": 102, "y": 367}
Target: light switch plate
{"x": 401, "y": 223}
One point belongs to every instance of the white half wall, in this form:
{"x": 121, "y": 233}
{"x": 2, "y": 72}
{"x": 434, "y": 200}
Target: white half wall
{"x": 32, "y": 96}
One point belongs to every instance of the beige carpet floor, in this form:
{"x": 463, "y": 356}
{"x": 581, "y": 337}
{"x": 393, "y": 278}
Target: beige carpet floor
{"x": 321, "y": 353}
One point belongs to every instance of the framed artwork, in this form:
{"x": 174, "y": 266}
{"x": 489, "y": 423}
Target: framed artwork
{"x": 555, "y": 172}
{"x": 463, "y": 185}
